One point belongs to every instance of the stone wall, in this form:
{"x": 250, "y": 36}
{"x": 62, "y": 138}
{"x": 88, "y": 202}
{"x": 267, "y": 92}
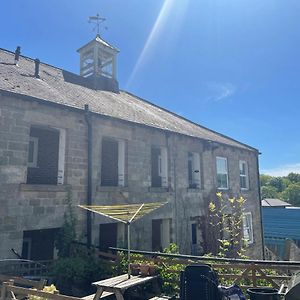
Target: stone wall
{"x": 28, "y": 207}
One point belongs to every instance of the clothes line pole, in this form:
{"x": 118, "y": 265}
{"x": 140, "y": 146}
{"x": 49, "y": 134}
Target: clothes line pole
{"x": 128, "y": 245}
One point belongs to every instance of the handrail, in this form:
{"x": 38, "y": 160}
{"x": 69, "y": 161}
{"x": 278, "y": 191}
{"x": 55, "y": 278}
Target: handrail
{"x": 206, "y": 258}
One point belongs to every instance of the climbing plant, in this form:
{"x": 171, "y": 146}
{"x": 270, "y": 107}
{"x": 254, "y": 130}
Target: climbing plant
{"x": 67, "y": 234}
{"x": 226, "y": 226}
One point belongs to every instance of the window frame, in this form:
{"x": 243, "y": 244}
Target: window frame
{"x": 35, "y": 141}
{"x": 227, "y": 172}
{"x": 246, "y": 175}
{"x": 248, "y": 226}
{"x": 121, "y": 161}
{"x": 194, "y": 160}
{"x": 162, "y": 166}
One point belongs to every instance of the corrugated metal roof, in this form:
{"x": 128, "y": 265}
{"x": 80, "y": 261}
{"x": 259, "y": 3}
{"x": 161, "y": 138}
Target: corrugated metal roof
{"x": 274, "y": 202}
{"x": 281, "y": 223}
{"x": 61, "y": 87}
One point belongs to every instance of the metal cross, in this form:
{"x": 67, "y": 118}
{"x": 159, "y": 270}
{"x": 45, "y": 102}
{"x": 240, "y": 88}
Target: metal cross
{"x": 97, "y": 20}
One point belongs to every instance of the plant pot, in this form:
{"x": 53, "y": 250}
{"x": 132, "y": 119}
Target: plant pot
{"x": 144, "y": 270}
{"x": 135, "y": 269}
{"x": 263, "y": 294}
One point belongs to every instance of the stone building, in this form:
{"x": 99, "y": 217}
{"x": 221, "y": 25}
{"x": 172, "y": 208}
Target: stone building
{"x": 63, "y": 132}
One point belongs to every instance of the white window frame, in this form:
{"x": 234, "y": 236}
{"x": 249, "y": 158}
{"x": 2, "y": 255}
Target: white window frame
{"x": 35, "y": 141}
{"x": 226, "y": 173}
{"x": 163, "y": 161}
{"x": 121, "y": 162}
{"x": 248, "y": 227}
{"x": 61, "y": 156}
{"x": 246, "y": 175}
{"x": 196, "y": 168}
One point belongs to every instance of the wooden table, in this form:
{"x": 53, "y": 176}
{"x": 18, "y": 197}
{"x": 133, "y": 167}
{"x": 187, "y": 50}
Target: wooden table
{"x": 118, "y": 285}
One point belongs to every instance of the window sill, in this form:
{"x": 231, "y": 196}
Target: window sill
{"x": 158, "y": 189}
{"x": 222, "y": 189}
{"x": 194, "y": 190}
{"x": 101, "y": 188}
{"x": 43, "y": 187}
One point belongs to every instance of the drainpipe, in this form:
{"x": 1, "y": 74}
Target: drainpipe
{"x": 260, "y": 207}
{"x": 89, "y": 176}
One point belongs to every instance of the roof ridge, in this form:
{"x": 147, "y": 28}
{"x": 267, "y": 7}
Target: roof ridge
{"x": 32, "y": 59}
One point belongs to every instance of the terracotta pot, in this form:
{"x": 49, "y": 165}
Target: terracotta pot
{"x": 135, "y": 269}
{"x": 144, "y": 270}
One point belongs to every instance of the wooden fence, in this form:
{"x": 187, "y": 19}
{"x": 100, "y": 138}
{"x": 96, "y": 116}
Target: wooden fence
{"x": 245, "y": 273}
{"x": 23, "y": 267}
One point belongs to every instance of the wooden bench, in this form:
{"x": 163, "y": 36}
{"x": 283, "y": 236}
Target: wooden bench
{"x": 20, "y": 281}
{"x": 92, "y": 296}
{"x": 161, "y": 298}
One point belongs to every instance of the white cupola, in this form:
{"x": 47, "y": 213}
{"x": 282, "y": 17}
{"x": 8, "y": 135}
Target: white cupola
{"x": 98, "y": 60}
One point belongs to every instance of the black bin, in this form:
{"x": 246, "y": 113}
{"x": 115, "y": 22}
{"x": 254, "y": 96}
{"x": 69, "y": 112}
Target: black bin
{"x": 263, "y": 294}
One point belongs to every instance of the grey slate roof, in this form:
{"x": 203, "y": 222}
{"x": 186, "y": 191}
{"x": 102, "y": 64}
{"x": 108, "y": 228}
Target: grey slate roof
{"x": 57, "y": 86}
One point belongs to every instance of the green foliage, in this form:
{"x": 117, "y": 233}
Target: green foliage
{"x": 80, "y": 272}
{"x": 226, "y": 226}
{"x": 278, "y": 183}
{"x": 48, "y": 289}
{"x": 170, "y": 273}
{"x": 292, "y": 194}
{"x": 269, "y": 192}
{"x": 67, "y": 234}
{"x": 294, "y": 177}
{"x": 286, "y": 188}
{"x": 265, "y": 179}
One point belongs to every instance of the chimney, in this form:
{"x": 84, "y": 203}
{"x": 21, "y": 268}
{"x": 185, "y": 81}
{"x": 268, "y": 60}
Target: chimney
{"x": 37, "y": 68}
{"x": 17, "y": 55}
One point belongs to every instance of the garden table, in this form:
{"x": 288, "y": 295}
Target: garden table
{"x": 119, "y": 284}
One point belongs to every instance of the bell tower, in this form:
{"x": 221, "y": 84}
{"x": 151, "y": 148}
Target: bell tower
{"x": 98, "y": 60}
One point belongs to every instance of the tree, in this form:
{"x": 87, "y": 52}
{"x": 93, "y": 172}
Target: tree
{"x": 265, "y": 179}
{"x": 292, "y": 194}
{"x": 226, "y": 226}
{"x": 278, "y": 183}
{"x": 269, "y": 192}
{"x": 294, "y": 177}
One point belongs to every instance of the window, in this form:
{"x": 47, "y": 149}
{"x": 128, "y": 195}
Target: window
{"x": 161, "y": 234}
{"x": 46, "y": 155}
{"x": 194, "y": 170}
{"x": 113, "y": 162}
{"x": 244, "y": 179}
{"x": 33, "y": 152}
{"x": 222, "y": 173}
{"x": 159, "y": 167}
{"x": 247, "y": 227}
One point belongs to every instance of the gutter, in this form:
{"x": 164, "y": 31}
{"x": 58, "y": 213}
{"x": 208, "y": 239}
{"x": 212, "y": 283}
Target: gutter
{"x": 260, "y": 208}
{"x": 88, "y": 120}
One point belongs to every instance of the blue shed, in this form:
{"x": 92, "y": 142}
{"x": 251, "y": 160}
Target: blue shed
{"x": 280, "y": 223}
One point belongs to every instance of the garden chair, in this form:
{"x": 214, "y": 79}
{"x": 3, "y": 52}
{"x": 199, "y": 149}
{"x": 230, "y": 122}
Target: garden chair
{"x": 199, "y": 282}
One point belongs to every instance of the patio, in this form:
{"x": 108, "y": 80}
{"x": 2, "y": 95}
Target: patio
{"x": 244, "y": 273}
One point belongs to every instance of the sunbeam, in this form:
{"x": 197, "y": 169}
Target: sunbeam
{"x": 163, "y": 16}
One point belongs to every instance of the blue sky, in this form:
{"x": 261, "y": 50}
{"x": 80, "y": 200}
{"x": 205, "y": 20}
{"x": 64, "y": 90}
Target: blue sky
{"x": 230, "y": 65}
